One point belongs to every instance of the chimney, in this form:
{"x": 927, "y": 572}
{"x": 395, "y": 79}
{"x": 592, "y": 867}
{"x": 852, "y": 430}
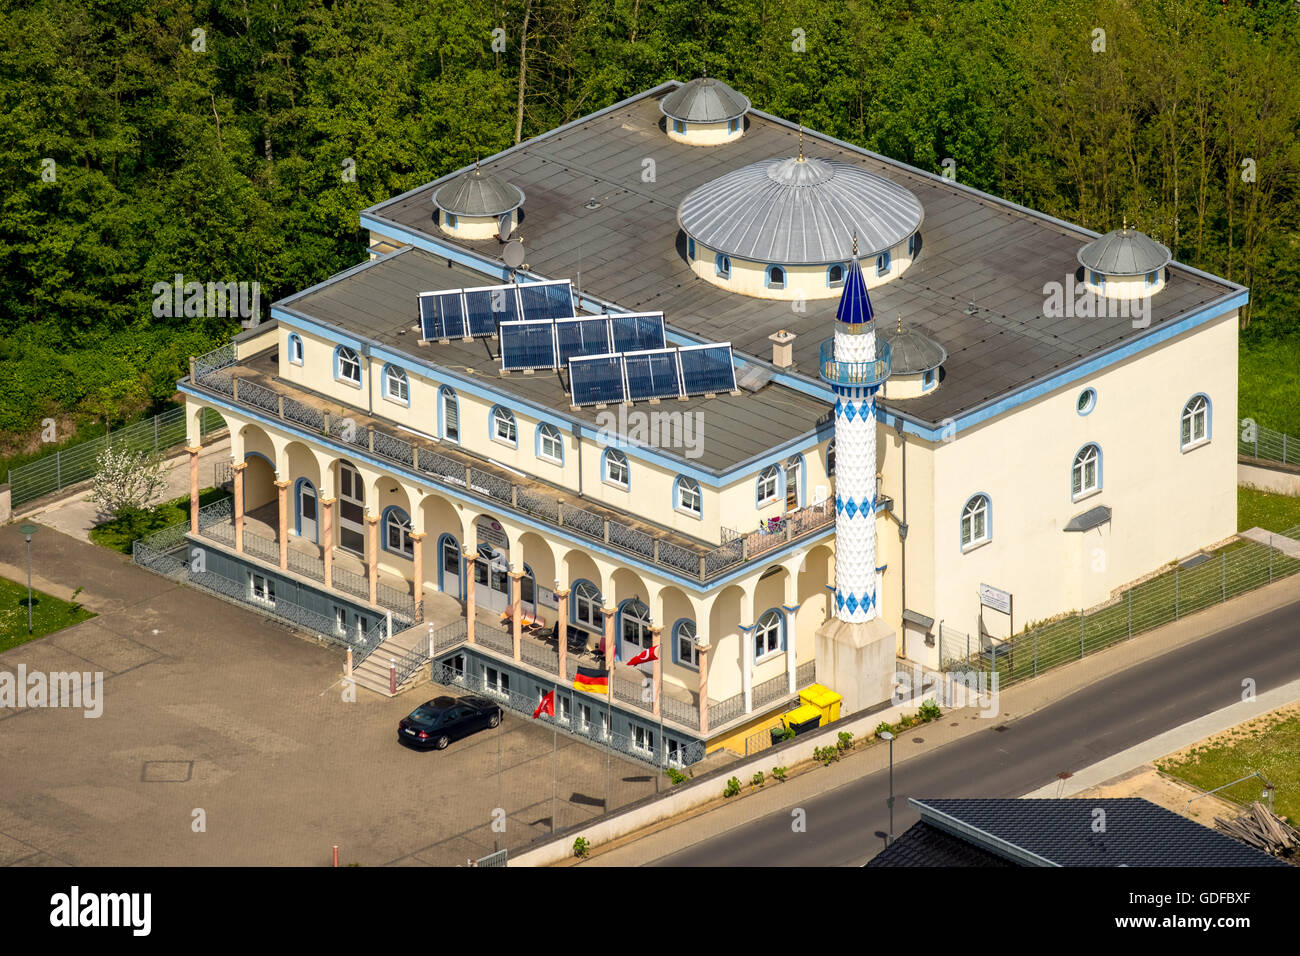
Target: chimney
{"x": 782, "y": 349}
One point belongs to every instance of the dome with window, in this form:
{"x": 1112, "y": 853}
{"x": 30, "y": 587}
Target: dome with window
{"x": 915, "y": 361}
{"x": 704, "y": 112}
{"x": 478, "y": 205}
{"x": 1124, "y": 264}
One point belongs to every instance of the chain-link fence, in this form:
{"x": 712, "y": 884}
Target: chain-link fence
{"x": 1264, "y": 443}
{"x": 1233, "y": 570}
{"x": 68, "y": 466}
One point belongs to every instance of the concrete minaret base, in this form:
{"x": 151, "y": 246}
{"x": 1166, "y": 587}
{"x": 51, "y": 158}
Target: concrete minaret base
{"x": 857, "y": 660}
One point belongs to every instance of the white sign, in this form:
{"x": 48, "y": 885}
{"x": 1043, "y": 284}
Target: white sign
{"x": 995, "y": 598}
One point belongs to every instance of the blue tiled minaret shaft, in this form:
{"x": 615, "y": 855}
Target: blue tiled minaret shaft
{"x": 855, "y": 453}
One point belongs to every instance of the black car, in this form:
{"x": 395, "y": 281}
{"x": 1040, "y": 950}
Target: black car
{"x": 436, "y": 723}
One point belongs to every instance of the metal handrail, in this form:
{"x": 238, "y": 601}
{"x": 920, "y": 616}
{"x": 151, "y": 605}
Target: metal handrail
{"x": 855, "y": 374}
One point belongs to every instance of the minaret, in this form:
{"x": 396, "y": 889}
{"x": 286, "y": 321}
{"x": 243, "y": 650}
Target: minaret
{"x": 855, "y": 648}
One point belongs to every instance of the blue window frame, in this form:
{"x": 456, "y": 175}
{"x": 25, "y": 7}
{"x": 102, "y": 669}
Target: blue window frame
{"x": 927, "y": 380}
{"x": 586, "y": 606}
{"x": 449, "y": 220}
{"x": 976, "y": 521}
{"x": 686, "y": 496}
{"x": 615, "y": 470}
{"x": 733, "y": 125}
{"x": 1152, "y": 278}
{"x": 502, "y": 425}
{"x": 448, "y": 415}
{"x": 632, "y": 630}
{"x": 314, "y": 517}
{"x": 835, "y": 273}
{"x": 347, "y": 366}
{"x": 1086, "y": 401}
{"x": 685, "y": 652}
{"x": 295, "y": 349}
{"x": 396, "y": 532}
{"x": 775, "y": 278}
{"x": 1085, "y": 471}
{"x": 883, "y": 262}
{"x": 722, "y": 265}
{"x": 690, "y": 248}
{"x": 912, "y": 241}
{"x": 768, "y": 486}
{"x": 1097, "y": 279}
{"x": 548, "y": 444}
{"x": 397, "y": 386}
{"x": 679, "y": 126}
{"x": 1194, "y": 423}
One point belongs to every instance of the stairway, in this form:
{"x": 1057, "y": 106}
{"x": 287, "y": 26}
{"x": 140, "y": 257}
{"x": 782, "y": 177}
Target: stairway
{"x": 373, "y": 672}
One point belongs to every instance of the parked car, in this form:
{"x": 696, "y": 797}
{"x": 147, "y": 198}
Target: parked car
{"x": 436, "y": 723}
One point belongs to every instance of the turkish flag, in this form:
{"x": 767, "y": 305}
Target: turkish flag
{"x": 547, "y": 706}
{"x": 645, "y": 657}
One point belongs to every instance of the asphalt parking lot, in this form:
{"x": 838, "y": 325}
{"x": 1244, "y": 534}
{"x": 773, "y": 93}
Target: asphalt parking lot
{"x": 226, "y": 739}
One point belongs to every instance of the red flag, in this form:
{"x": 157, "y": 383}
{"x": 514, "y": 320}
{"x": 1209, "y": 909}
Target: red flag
{"x": 547, "y": 706}
{"x": 645, "y": 657}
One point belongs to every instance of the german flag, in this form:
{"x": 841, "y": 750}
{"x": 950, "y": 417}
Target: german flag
{"x": 594, "y": 680}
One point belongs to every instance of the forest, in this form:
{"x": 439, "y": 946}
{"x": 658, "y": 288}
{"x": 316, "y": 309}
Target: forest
{"x": 237, "y": 140}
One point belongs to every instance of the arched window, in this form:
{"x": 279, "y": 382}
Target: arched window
{"x": 1086, "y": 401}
{"x": 347, "y": 365}
{"x": 397, "y": 532}
{"x": 587, "y": 606}
{"x": 633, "y": 629}
{"x": 616, "y": 470}
{"x": 449, "y": 414}
{"x": 830, "y": 458}
{"x": 1085, "y": 475}
{"x": 684, "y": 650}
{"x": 690, "y": 248}
{"x": 976, "y": 528}
{"x": 835, "y": 275}
{"x": 295, "y": 348}
{"x": 775, "y": 277}
{"x": 792, "y": 470}
{"x": 686, "y": 494}
{"x": 722, "y": 265}
{"x": 883, "y": 263}
{"x": 768, "y": 634}
{"x": 549, "y": 444}
{"x": 1195, "y": 422}
{"x": 503, "y": 426}
{"x": 679, "y": 126}
{"x": 396, "y": 385}
{"x": 768, "y": 480}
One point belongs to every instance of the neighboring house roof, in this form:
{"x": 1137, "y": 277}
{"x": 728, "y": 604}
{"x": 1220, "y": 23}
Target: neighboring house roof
{"x": 924, "y": 845}
{"x": 478, "y": 193}
{"x": 911, "y": 350}
{"x": 1128, "y": 831}
{"x": 1124, "y": 252}
{"x": 704, "y": 100}
{"x": 799, "y": 211}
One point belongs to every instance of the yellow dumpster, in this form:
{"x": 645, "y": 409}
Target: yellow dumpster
{"x": 802, "y": 718}
{"x": 822, "y": 699}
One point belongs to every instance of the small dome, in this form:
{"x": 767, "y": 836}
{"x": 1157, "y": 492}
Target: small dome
{"x": 1124, "y": 252}
{"x": 478, "y": 194}
{"x": 704, "y": 100}
{"x": 910, "y": 351}
{"x": 799, "y": 212}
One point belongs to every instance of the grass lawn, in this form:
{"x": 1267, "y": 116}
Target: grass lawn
{"x": 1270, "y": 745}
{"x": 118, "y": 535}
{"x": 49, "y": 614}
{"x": 1259, "y": 509}
{"x": 1267, "y": 384}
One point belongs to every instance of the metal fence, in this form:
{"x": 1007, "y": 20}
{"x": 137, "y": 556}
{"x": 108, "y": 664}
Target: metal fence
{"x": 1235, "y": 570}
{"x": 1267, "y": 444}
{"x": 64, "y": 467}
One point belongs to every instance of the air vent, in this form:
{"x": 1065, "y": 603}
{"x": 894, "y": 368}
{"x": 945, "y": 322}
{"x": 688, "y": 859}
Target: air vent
{"x": 753, "y": 378}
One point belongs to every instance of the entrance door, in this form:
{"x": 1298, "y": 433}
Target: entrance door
{"x": 307, "y": 511}
{"x": 451, "y": 567}
{"x": 636, "y": 629}
{"x": 492, "y": 579}
{"x": 791, "y": 485}
{"x": 352, "y": 511}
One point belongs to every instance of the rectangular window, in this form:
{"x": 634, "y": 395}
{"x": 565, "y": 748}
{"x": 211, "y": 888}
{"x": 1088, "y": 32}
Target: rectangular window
{"x": 349, "y": 367}
{"x": 398, "y": 388}
{"x": 451, "y": 420}
{"x": 882, "y": 264}
{"x": 550, "y": 445}
{"x": 643, "y": 739}
{"x": 616, "y": 471}
{"x": 562, "y": 709}
{"x": 261, "y": 589}
{"x": 585, "y": 716}
{"x": 496, "y": 681}
{"x": 295, "y": 350}
{"x": 340, "y": 621}
{"x": 676, "y": 750}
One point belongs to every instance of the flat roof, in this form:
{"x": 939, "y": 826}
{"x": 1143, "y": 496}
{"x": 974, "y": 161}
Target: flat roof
{"x": 629, "y": 252}
{"x": 378, "y": 301}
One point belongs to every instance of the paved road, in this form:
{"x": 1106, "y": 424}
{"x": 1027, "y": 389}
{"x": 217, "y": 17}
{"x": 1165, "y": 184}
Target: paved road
{"x": 1089, "y": 725}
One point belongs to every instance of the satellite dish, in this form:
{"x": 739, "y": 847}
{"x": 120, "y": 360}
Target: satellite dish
{"x": 513, "y": 253}
{"x": 503, "y": 226}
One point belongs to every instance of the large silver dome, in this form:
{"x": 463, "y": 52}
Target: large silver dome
{"x": 1124, "y": 252}
{"x": 799, "y": 212}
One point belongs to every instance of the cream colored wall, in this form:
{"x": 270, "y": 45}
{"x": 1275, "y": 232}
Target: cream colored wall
{"x": 908, "y": 386}
{"x": 705, "y": 134}
{"x": 920, "y": 525}
{"x": 264, "y": 339}
{"x": 1125, "y": 287}
{"x": 476, "y": 227}
{"x": 1165, "y": 503}
{"x": 802, "y": 282}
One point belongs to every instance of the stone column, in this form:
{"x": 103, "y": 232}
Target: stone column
{"x": 703, "y": 653}
{"x": 791, "y": 644}
{"x": 372, "y": 556}
{"x": 282, "y": 502}
{"x": 194, "y": 486}
{"x": 417, "y": 591}
{"x": 467, "y": 569}
{"x": 517, "y": 603}
{"x": 658, "y": 676}
{"x": 327, "y": 538}
{"x": 562, "y": 630}
{"x": 747, "y": 665}
{"x": 237, "y": 469}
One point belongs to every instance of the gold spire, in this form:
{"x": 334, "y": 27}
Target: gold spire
{"x": 855, "y": 243}
{"x": 900, "y": 321}
{"x": 801, "y": 142}
{"x": 1126, "y": 223}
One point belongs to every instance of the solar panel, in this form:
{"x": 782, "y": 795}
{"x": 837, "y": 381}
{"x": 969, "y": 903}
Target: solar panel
{"x": 546, "y": 300}
{"x": 596, "y": 379}
{"x": 442, "y": 315}
{"x": 578, "y": 337}
{"x": 527, "y": 344}
{"x": 637, "y": 331}
{"x": 707, "y": 368}
{"x": 652, "y": 374}
{"x": 487, "y": 307}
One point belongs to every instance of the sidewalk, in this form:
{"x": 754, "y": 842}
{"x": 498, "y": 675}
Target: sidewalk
{"x": 648, "y": 845}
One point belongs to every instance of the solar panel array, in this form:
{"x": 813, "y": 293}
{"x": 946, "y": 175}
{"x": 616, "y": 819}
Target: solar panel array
{"x": 651, "y": 373}
{"x": 540, "y": 344}
{"x": 477, "y": 312}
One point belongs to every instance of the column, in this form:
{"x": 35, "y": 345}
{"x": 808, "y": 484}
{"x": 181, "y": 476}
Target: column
{"x": 791, "y": 644}
{"x": 747, "y": 665}
{"x": 517, "y": 609}
{"x": 238, "y": 470}
{"x": 282, "y": 502}
{"x": 194, "y": 486}
{"x": 704, "y": 690}
{"x": 372, "y": 556}
{"x": 658, "y": 677}
{"x": 417, "y": 543}
{"x": 562, "y": 630}
{"x": 467, "y": 568}
{"x": 327, "y": 538}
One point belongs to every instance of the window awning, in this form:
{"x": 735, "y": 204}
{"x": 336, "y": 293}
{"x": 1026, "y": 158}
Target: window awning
{"x": 1090, "y": 519}
{"x": 920, "y": 620}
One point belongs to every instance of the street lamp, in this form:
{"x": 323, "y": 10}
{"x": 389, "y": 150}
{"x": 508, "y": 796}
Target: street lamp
{"x": 28, "y": 530}
{"x": 890, "y": 737}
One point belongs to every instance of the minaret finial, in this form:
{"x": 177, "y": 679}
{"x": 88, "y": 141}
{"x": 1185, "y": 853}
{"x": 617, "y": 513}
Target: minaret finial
{"x": 855, "y": 243}
{"x": 1126, "y": 223}
{"x": 900, "y": 321}
{"x": 801, "y": 142}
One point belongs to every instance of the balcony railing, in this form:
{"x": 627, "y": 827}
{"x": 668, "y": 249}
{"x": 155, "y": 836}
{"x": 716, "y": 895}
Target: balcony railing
{"x": 854, "y": 374}
{"x": 213, "y": 372}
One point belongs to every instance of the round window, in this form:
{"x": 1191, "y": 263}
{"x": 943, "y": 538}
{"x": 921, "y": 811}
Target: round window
{"x": 1087, "y": 401}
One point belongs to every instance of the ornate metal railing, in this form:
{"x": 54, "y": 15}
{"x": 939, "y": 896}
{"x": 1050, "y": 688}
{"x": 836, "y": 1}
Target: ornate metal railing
{"x": 680, "y": 711}
{"x": 726, "y": 710}
{"x": 771, "y": 690}
{"x": 854, "y": 374}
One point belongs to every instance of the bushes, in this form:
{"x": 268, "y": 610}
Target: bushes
{"x": 732, "y": 788}
{"x": 929, "y": 711}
